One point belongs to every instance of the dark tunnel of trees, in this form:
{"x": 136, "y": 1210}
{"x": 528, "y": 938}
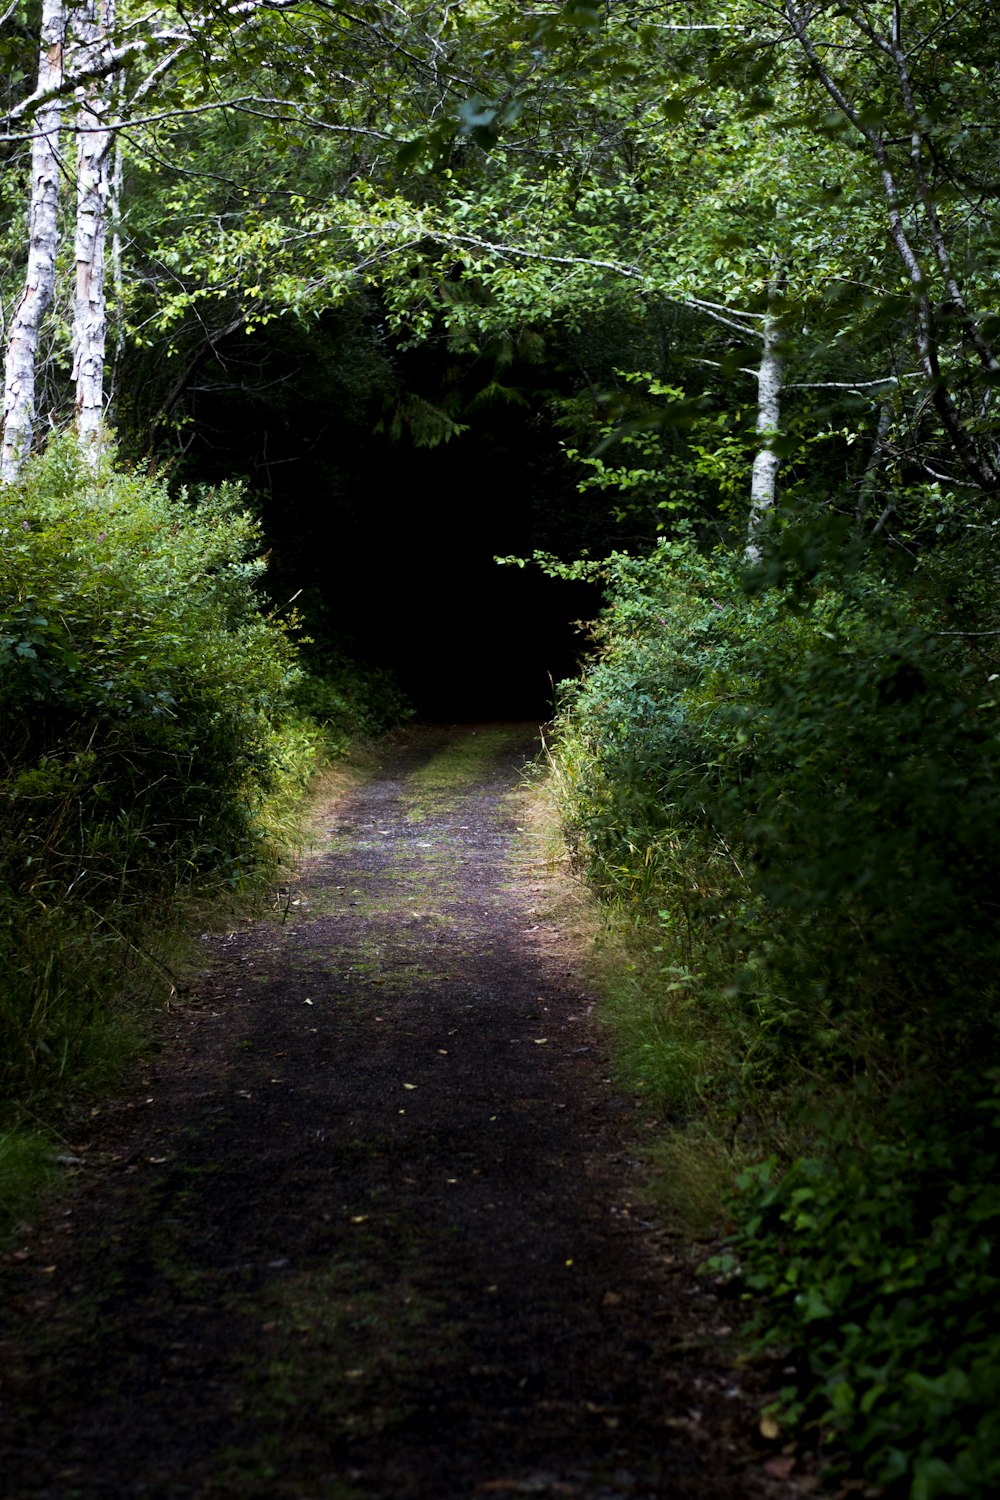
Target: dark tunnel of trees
{"x": 386, "y": 534}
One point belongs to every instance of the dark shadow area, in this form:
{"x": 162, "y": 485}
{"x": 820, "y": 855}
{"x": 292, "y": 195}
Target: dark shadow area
{"x": 389, "y": 543}
{"x": 411, "y": 578}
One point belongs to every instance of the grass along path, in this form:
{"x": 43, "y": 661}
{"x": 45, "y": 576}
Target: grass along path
{"x": 368, "y": 1227}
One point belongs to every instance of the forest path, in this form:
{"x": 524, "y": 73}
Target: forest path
{"x": 367, "y": 1231}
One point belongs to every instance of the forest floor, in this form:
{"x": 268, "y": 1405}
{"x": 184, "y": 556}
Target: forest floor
{"x": 371, "y": 1223}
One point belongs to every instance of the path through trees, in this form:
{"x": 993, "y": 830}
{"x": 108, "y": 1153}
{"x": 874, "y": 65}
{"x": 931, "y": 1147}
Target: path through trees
{"x": 366, "y": 1228}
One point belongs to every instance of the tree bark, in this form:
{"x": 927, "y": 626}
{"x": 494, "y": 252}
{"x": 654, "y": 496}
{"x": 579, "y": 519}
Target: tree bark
{"x": 92, "y": 196}
{"x": 763, "y": 482}
{"x": 869, "y": 479}
{"x": 40, "y": 275}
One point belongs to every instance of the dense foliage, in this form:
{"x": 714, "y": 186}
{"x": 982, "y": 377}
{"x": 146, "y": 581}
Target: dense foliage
{"x": 877, "y": 1254}
{"x": 140, "y": 695}
{"x": 791, "y": 795}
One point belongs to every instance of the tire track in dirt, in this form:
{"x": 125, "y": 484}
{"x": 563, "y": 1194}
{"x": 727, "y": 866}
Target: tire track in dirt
{"x": 368, "y": 1229}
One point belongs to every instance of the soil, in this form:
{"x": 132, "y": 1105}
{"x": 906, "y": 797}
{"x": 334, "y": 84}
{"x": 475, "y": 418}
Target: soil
{"x": 371, "y": 1225}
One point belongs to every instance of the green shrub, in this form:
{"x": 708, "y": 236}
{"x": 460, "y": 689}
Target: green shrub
{"x": 349, "y": 698}
{"x": 791, "y": 799}
{"x": 880, "y": 1263}
{"x": 808, "y": 798}
{"x": 142, "y": 689}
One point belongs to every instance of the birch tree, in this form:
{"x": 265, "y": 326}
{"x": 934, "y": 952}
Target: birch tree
{"x": 80, "y": 57}
{"x": 92, "y": 196}
{"x": 764, "y": 474}
{"x": 43, "y": 244}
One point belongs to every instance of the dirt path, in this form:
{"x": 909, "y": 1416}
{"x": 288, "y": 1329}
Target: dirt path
{"x": 367, "y": 1231}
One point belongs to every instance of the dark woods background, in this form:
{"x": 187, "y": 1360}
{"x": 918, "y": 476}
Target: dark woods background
{"x": 387, "y": 487}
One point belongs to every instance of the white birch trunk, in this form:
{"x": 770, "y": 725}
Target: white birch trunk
{"x": 92, "y": 196}
{"x": 763, "y": 483}
{"x": 117, "y": 277}
{"x": 43, "y": 240}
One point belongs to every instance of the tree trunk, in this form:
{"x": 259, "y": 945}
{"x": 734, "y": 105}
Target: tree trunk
{"x": 763, "y": 483}
{"x": 40, "y": 275}
{"x": 92, "y": 196}
{"x": 869, "y": 479}
{"x": 115, "y": 259}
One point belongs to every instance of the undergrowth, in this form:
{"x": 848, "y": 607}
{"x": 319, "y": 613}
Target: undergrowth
{"x": 787, "y": 798}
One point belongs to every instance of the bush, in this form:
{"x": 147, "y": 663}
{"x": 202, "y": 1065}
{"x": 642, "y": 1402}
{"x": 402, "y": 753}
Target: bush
{"x": 805, "y": 797}
{"x": 791, "y": 796}
{"x": 880, "y": 1262}
{"x": 348, "y": 698}
{"x": 141, "y": 693}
